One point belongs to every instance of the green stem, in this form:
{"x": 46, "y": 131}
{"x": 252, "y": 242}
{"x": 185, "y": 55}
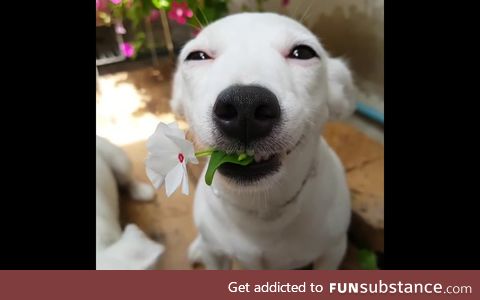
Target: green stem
{"x": 204, "y": 153}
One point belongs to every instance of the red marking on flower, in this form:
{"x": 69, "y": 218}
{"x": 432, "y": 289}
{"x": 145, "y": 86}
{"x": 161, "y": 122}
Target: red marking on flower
{"x": 180, "y": 157}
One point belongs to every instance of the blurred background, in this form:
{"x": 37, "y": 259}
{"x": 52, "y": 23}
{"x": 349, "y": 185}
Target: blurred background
{"x": 136, "y": 45}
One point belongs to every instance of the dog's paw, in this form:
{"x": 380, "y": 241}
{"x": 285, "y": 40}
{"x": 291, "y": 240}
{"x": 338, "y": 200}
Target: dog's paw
{"x": 142, "y": 191}
{"x": 133, "y": 251}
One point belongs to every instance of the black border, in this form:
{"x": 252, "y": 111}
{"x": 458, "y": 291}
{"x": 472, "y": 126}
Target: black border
{"x": 48, "y": 209}
{"x": 430, "y": 216}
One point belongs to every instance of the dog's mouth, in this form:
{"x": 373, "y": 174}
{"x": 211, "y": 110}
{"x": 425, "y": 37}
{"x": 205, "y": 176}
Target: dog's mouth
{"x": 261, "y": 167}
{"x": 252, "y": 172}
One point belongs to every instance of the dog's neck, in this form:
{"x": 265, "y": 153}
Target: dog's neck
{"x": 270, "y": 198}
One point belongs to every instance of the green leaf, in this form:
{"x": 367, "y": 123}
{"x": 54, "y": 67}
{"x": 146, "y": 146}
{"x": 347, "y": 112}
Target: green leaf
{"x": 161, "y": 4}
{"x": 367, "y": 260}
{"x": 242, "y": 157}
{"x": 218, "y": 158}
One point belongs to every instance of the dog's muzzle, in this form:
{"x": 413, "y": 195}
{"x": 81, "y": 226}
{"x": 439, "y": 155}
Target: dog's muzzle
{"x": 246, "y": 113}
{"x": 245, "y": 117}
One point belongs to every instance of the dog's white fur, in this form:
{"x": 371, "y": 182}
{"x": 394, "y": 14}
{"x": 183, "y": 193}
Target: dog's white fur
{"x": 267, "y": 225}
{"x": 132, "y": 249}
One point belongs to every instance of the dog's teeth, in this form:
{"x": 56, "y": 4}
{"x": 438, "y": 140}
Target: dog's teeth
{"x": 258, "y": 157}
{"x": 250, "y": 152}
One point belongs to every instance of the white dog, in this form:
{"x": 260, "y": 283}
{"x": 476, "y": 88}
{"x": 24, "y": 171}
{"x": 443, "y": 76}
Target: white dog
{"x": 131, "y": 249}
{"x": 262, "y": 83}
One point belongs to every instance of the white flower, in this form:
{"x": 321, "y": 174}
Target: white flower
{"x": 168, "y": 155}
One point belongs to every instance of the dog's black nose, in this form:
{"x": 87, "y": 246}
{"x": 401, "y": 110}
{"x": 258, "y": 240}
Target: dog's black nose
{"x": 246, "y": 112}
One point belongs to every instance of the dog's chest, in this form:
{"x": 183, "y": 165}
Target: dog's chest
{"x": 289, "y": 250}
{"x": 288, "y": 247}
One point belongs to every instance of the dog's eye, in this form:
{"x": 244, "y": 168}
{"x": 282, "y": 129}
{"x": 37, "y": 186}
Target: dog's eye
{"x": 302, "y": 52}
{"x": 197, "y": 55}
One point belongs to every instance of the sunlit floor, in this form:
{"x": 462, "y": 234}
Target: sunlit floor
{"x": 131, "y": 104}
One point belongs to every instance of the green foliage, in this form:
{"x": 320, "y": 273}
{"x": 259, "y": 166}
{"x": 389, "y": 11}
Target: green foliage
{"x": 137, "y": 11}
{"x": 207, "y": 11}
{"x": 367, "y": 260}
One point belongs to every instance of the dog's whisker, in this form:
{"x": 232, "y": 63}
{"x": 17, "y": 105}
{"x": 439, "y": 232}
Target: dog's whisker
{"x": 305, "y": 17}
{"x": 296, "y": 10}
{"x": 198, "y": 21}
{"x": 196, "y": 27}
{"x": 300, "y": 4}
{"x": 204, "y": 16}
{"x": 306, "y": 11}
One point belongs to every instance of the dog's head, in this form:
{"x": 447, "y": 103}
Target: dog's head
{"x": 257, "y": 83}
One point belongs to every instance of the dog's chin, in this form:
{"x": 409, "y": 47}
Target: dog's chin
{"x": 252, "y": 173}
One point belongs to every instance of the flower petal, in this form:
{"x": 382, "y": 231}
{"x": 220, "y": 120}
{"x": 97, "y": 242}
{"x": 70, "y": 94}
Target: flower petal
{"x": 127, "y": 49}
{"x": 159, "y": 140}
{"x": 185, "y": 188}
{"x": 173, "y": 179}
{"x": 161, "y": 164}
{"x": 171, "y": 129}
{"x": 162, "y": 144}
{"x": 119, "y": 28}
{"x": 186, "y": 147}
{"x": 175, "y": 130}
{"x": 155, "y": 178}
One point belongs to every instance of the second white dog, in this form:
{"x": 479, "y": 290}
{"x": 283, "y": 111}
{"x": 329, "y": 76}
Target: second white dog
{"x": 117, "y": 250}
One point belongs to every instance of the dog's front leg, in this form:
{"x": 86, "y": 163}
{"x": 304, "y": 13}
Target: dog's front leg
{"x": 199, "y": 252}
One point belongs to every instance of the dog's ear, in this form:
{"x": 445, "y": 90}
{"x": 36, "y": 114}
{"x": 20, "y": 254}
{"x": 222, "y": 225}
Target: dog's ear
{"x": 342, "y": 97}
{"x": 176, "y": 102}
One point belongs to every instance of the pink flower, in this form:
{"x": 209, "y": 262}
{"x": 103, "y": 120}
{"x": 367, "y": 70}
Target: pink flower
{"x": 116, "y": 2}
{"x": 180, "y": 12}
{"x": 127, "y": 49}
{"x": 102, "y": 5}
{"x": 285, "y": 2}
{"x": 119, "y": 29}
{"x": 154, "y": 15}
